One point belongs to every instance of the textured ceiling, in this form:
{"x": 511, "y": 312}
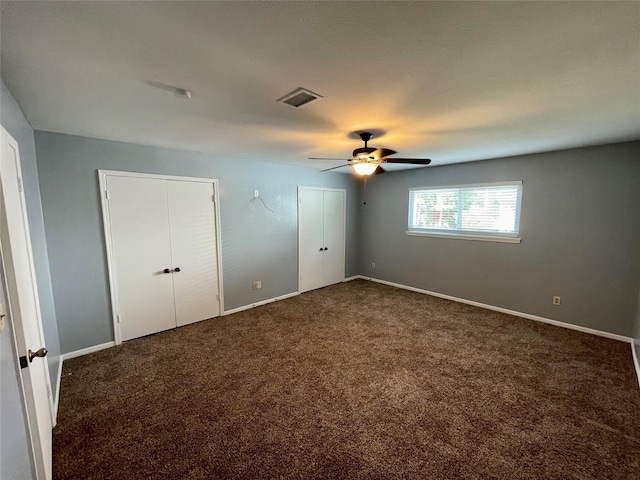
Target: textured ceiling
{"x": 450, "y": 81}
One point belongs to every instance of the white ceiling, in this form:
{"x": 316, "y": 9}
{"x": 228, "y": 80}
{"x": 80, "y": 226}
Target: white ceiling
{"x": 450, "y": 81}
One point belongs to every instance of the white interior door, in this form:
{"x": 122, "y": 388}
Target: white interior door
{"x": 334, "y": 236}
{"x": 24, "y": 307}
{"x": 141, "y": 251}
{"x": 192, "y": 216}
{"x": 310, "y": 238}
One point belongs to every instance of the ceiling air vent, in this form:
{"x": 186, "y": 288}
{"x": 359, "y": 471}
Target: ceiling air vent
{"x": 299, "y": 97}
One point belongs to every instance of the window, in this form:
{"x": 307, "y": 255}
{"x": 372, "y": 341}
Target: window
{"x": 489, "y": 211}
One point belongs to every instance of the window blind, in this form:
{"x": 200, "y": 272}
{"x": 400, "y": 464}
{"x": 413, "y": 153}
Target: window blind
{"x": 484, "y": 209}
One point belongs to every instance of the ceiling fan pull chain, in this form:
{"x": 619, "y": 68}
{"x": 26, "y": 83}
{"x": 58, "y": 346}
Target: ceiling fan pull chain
{"x": 365, "y": 190}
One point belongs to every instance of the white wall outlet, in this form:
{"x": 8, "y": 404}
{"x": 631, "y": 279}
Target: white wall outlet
{"x": 556, "y": 300}
{"x": 257, "y": 285}
{"x": 256, "y": 193}
{"x": 373, "y": 264}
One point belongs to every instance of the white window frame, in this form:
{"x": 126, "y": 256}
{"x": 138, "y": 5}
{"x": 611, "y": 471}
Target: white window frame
{"x": 503, "y": 237}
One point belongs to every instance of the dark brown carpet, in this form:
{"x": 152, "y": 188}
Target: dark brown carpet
{"x": 357, "y": 380}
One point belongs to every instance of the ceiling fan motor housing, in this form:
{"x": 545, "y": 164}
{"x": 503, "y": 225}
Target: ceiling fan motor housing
{"x": 363, "y": 152}
{"x": 365, "y": 136}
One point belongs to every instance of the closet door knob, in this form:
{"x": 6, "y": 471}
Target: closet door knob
{"x": 166, "y": 270}
{"x": 321, "y": 249}
{"x": 326, "y": 248}
{"x": 40, "y": 353}
{"x": 177, "y": 269}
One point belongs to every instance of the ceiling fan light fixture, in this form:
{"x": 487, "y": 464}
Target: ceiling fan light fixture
{"x": 365, "y": 168}
{"x": 366, "y": 160}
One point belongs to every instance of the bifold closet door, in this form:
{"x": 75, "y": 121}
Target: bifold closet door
{"x": 141, "y": 246}
{"x": 193, "y": 249}
{"x": 311, "y": 238}
{"x": 321, "y": 237}
{"x": 334, "y": 236}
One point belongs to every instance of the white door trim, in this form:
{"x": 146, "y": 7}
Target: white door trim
{"x": 102, "y": 178}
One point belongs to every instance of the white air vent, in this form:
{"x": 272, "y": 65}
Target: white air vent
{"x": 299, "y": 97}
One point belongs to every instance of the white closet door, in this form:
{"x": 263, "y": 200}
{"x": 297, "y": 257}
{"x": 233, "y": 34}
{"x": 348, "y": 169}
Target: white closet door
{"x": 141, "y": 251}
{"x": 194, "y": 250}
{"x": 334, "y": 236}
{"x": 311, "y": 242}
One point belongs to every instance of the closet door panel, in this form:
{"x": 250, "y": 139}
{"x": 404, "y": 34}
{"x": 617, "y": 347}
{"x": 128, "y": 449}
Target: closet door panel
{"x": 194, "y": 250}
{"x": 141, "y": 251}
{"x": 310, "y": 243}
{"x": 334, "y": 236}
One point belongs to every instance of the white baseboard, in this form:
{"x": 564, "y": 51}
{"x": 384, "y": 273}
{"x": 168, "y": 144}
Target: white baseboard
{"x": 355, "y": 277}
{"x": 600, "y": 333}
{"x": 67, "y": 356}
{"x": 56, "y": 400}
{"x": 257, "y": 304}
{"x": 86, "y": 351}
{"x": 634, "y": 353}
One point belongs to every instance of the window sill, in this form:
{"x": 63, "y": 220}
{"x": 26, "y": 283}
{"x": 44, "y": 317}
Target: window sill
{"x": 466, "y": 236}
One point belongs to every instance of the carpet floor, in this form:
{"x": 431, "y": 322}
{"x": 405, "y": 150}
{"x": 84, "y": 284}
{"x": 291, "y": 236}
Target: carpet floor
{"x": 353, "y": 381}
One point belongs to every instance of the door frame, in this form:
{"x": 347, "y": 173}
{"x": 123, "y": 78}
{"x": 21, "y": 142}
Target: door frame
{"x": 34, "y": 417}
{"x": 344, "y": 217}
{"x": 106, "y": 220}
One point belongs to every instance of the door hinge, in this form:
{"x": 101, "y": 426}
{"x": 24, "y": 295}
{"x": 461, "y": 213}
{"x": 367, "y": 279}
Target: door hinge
{"x": 23, "y": 362}
{"x": 119, "y": 320}
{"x": 213, "y": 198}
{"x": 106, "y": 194}
{"x": 20, "y": 188}
{"x": 217, "y": 297}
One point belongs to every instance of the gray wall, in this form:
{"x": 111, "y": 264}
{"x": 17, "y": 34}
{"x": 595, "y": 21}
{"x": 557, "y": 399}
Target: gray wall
{"x": 580, "y": 229}
{"x": 256, "y": 244}
{"x": 14, "y": 121}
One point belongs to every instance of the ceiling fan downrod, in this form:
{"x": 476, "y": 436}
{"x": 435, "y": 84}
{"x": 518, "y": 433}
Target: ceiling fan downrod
{"x": 365, "y": 136}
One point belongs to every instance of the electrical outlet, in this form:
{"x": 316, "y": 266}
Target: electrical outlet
{"x": 256, "y": 193}
{"x": 373, "y": 264}
{"x": 556, "y": 300}
{"x": 257, "y": 285}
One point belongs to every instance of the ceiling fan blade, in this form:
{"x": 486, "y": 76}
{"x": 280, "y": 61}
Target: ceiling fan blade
{"x": 323, "y": 158}
{"x": 414, "y": 161}
{"x": 333, "y": 168}
{"x": 381, "y": 153}
{"x": 379, "y": 170}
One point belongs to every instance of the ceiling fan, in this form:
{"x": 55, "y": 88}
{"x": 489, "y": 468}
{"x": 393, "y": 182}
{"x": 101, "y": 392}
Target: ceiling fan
{"x": 366, "y": 160}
